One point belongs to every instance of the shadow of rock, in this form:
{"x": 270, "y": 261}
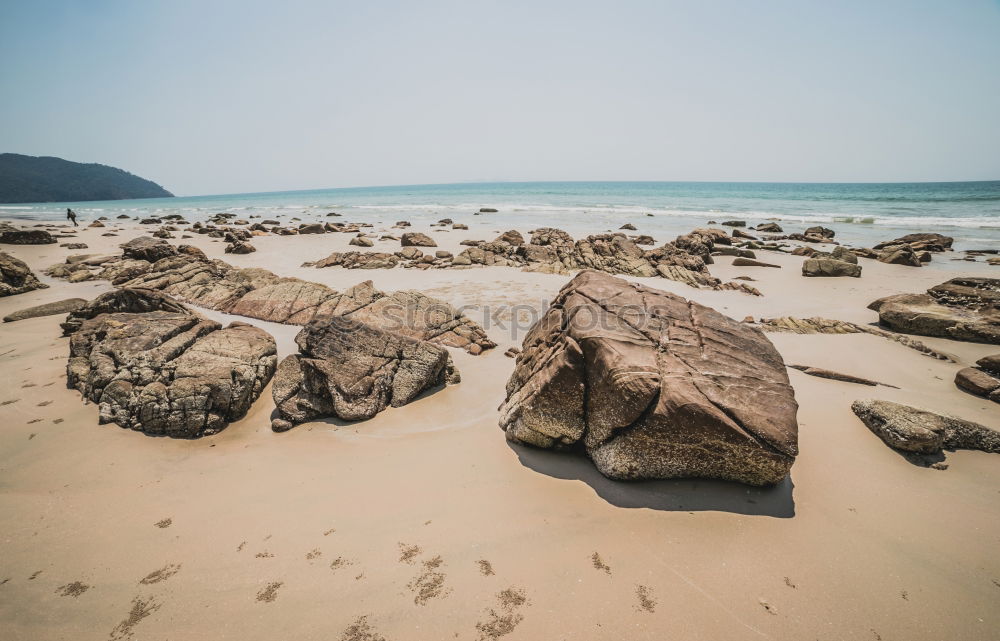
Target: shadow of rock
{"x": 679, "y": 495}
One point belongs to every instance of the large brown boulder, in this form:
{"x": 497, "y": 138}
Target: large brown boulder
{"x": 839, "y": 262}
{"x": 652, "y": 385}
{"x": 169, "y": 373}
{"x": 16, "y": 277}
{"x": 148, "y": 248}
{"x": 963, "y": 309}
{"x": 918, "y": 431}
{"x": 416, "y": 239}
{"x": 353, "y": 371}
{"x": 128, "y": 300}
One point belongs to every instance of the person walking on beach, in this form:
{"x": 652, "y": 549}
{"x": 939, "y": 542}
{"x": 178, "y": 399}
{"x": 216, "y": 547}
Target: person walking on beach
{"x": 71, "y": 215}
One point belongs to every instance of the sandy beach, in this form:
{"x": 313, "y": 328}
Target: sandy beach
{"x": 424, "y": 523}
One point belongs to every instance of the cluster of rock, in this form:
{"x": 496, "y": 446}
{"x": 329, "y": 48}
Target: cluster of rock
{"x": 16, "y": 277}
{"x": 554, "y": 251}
{"x": 12, "y": 236}
{"x": 652, "y": 385}
{"x": 351, "y": 370}
{"x": 983, "y": 379}
{"x": 839, "y": 262}
{"x": 963, "y": 309}
{"x": 154, "y": 366}
{"x": 916, "y": 431}
{"x": 187, "y": 275}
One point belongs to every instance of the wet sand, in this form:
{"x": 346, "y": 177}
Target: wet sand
{"x": 382, "y": 529}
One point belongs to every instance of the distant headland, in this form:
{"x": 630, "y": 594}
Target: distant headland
{"x": 46, "y": 179}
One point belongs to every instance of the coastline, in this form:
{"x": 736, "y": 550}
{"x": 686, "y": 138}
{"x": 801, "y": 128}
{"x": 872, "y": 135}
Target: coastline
{"x": 859, "y": 543}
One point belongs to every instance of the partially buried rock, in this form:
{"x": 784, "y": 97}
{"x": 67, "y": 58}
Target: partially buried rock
{"x": 963, "y": 309}
{"x": 361, "y": 241}
{"x": 16, "y": 277}
{"x": 48, "y": 309}
{"x": 918, "y": 431}
{"x": 169, "y": 373}
{"x": 651, "y": 385}
{"x": 416, "y": 239}
{"x": 749, "y": 262}
{"x": 27, "y": 237}
{"x": 350, "y": 370}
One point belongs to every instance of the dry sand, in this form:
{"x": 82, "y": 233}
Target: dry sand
{"x": 384, "y": 529}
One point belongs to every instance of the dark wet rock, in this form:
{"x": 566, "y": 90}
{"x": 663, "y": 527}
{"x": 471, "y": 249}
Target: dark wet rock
{"x": 773, "y": 228}
{"x": 26, "y": 237}
{"x": 147, "y": 248}
{"x": 734, "y": 223}
{"x": 643, "y": 239}
{"x": 822, "y": 232}
{"x": 487, "y": 210}
{"x": 16, "y": 277}
{"x": 920, "y": 242}
{"x": 48, "y": 309}
{"x": 652, "y": 386}
{"x": 627, "y": 226}
{"x": 416, "y": 239}
{"x": 918, "y": 431}
{"x": 350, "y": 370}
{"x": 402, "y": 223}
{"x": 169, "y": 373}
{"x": 240, "y": 247}
{"x": 963, "y": 309}
{"x": 74, "y": 245}
{"x": 899, "y": 255}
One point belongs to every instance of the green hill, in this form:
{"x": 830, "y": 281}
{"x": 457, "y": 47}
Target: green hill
{"x": 46, "y": 179}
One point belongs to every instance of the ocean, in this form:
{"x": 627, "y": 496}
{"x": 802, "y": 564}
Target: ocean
{"x": 861, "y": 213}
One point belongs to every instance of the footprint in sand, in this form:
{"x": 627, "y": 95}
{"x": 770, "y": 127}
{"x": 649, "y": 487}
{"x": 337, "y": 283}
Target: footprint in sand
{"x": 57, "y": 421}
{"x": 141, "y": 608}
{"x": 408, "y": 552}
{"x": 647, "y": 603}
{"x": 429, "y": 584}
{"x": 32, "y": 435}
{"x": 270, "y": 592}
{"x": 241, "y": 546}
{"x": 165, "y": 523}
{"x": 34, "y": 576}
{"x": 162, "y": 574}
{"x": 34, "y": 420}
{"x": 503, "y": 619}
{"x": 340, "y": 562}
{"x": 789, "y": 583}
{"x": 329, "y": 532}
{"x": 264, "y": 555}
{"x": 361, "y": 631}
{"x": 44, "y": 403}
{"x": 313, "y": 554}
{"x": 599, "y": 563}
{"x": 8, "y": 402}
{"x": 74, "y": 589}
{"x": 767, "y": 607}
{"x": 485, "y": 567}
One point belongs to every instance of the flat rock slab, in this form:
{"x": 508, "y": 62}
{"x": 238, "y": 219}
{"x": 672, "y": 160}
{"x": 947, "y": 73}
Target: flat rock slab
{"x": 353, "y": 371}
{"x": 918, "y": 431}
{"x": 749, "y": 262}
{"x": 167, "y": 372}
{"x": 48, "y": 309}
{"x": 652, "y": 385}
{"x": 962, "y": 309}
{"x": 819, "y": 372}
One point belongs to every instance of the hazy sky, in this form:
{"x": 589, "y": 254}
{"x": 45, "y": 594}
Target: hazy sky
{"x": 219, "y": 97}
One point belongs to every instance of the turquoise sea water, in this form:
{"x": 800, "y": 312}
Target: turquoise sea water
{"x": 861, "y": 213}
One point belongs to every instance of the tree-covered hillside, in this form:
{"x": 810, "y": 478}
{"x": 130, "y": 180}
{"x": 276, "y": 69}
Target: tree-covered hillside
{"x": 34, "y": 179}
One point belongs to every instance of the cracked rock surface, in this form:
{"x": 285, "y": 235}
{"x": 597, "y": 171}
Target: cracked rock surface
{"x": 962, "y": 309}
{"x": 16, "y": 277}
{"x": 165, "y": 370}
{"x": 351, "y": 370}
{"x": 651, "y": 385}
{"x": 918, "y": 431}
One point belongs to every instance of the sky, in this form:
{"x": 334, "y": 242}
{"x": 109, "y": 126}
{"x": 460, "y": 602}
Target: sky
{"x": 208, "y": 97}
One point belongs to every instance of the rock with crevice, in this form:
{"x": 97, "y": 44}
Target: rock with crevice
{"x": 352, "y": 371}
{"x": 16, "y": 277}
{"x": 169, "y": 373}
{"x": 651, "y": 385}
